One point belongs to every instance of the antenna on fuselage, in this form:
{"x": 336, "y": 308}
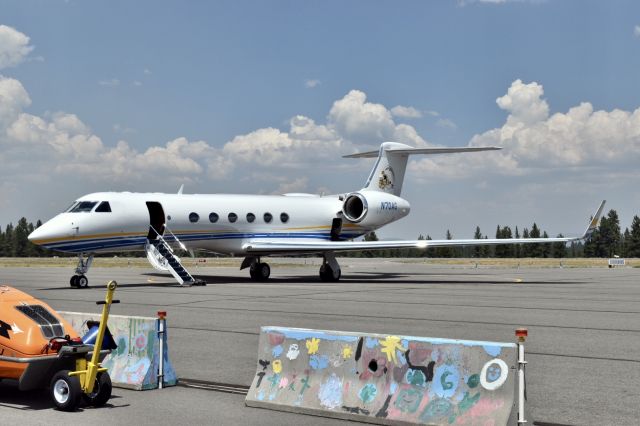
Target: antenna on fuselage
{"x": 181, "y": 188}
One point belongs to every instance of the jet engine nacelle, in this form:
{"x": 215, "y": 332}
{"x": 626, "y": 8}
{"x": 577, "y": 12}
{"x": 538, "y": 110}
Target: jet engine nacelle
{"x": 373, "y": 208}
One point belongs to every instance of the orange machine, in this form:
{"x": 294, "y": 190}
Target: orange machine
{"x": 39, "y": 349}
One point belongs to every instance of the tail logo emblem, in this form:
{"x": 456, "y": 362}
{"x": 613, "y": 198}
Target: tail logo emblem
{"x": 385, "y": 181}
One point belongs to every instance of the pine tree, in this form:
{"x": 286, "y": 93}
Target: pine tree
{"x": 609, "y": 235}
{"x": 477, "y": 250}
{"x": 545, "y": 249}
{"x": 21, "y": 242}
{"x": 633, "y": 246}
{"x": 517, "y": 249}
{"x": 624, "y": 243}
{"x": 535, "y": 248}
{"x": 526, "y": 248}
{"x": 499, "y": 248}
{"x": 559, "y": 249}
{"x": 9, "y": 249}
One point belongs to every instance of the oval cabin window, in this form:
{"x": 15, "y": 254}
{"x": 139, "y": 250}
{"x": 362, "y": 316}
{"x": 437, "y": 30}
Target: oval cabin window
{"x": 251, "y": 217}
{"x": 232, "y": 217}
{"x": 268, "y": 217}
{"x": 213, "y": 217}
{"x": 193, "y": 217}
{"x": 284, "y": 218}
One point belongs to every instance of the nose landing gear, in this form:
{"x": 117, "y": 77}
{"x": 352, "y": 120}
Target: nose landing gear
{"x": 79, "y": 280}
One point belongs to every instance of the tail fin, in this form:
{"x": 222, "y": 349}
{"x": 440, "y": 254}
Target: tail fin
{"x": 387, "y": 174}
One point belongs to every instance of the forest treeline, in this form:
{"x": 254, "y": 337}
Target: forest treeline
{"x": 608, "y": 240}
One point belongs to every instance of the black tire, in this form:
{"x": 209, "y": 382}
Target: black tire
{"x": 65, "y": 391}
{"x": 101, "y": 391}
{"x": 327, "y": 273}
{"x": 253, "y": 272}
{"x": 83, "y": 281}
{"x": 73, "y": 282}
{"x": 264, "y": 271}
{"x": 324, "y": 276}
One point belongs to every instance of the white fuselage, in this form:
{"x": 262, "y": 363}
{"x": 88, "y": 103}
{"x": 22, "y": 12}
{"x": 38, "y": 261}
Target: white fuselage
{"x": 133, "y": 216}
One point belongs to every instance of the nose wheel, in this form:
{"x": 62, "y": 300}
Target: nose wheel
{"x": 79, "y": 281}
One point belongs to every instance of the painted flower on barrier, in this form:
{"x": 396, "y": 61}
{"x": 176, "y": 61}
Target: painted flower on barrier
{"x": 313, "y": 345}
{"x": 346, "y": 352}
{"x": 141, "y": 341}
{"x": 389, "y": 346}
{"x": 277, "y": 366}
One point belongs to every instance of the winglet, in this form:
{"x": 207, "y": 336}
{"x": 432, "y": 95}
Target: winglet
{"x": 594, "y": 222}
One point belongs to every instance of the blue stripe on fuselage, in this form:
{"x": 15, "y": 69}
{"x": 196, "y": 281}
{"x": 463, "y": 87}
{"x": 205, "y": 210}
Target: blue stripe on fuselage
{"x": 135, "y": 242}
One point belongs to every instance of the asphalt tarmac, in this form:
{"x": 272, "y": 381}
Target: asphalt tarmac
{"x": 583, "y": 347}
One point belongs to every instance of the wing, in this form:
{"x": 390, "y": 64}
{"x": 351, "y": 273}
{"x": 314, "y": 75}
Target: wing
{"x": 267, "y": 246}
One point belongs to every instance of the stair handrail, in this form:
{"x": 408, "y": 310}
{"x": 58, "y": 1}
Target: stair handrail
{"x": 161, "y": 238}
{"x": 182, "y": 246}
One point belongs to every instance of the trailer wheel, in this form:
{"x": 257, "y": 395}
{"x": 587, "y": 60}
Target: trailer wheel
{"x": 65, "y": 391}
{"x": 101, "y": 391}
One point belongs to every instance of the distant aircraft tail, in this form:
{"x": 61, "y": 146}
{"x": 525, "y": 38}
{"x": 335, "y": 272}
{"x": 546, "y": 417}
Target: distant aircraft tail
{"x": 387, "y": 174}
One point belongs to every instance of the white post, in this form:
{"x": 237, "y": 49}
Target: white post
{"x": 521, "y": 382}
{"x": 161, "y": 328}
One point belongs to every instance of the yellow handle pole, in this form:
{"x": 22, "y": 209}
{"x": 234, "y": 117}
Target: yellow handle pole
{"x": 93, "y": 367}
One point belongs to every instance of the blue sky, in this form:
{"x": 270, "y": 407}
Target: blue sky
{"x": 217, "y": 72}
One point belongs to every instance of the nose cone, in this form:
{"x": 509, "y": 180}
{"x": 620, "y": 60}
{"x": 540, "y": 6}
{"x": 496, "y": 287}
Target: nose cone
{"x": 38, "y": 235}
{"x": 48, "y": 232}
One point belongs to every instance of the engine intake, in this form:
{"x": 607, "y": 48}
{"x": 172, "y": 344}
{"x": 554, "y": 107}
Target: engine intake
{"x": 355, "y": 207}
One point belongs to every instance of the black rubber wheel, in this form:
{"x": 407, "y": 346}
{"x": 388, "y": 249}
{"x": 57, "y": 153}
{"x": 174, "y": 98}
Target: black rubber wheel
{"x": 253, "y": 272}
{"x": 65, "y": 391}
{"x": 73, "y": 282}
{"x": 264, "y": 271}
{"x": 101, "y": 391}
{"x": 324, "y": 276}
{"x": 327, "y": 274}
{"x": 83, "y": 281}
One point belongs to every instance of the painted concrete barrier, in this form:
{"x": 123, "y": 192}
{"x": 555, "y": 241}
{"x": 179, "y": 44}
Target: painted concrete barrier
{"x": 384, "y": 379}
{"x": 135, "y": 363}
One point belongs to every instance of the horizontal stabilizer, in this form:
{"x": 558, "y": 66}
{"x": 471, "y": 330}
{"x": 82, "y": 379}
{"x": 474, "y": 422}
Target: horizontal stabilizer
{"x": 427, "y": 151}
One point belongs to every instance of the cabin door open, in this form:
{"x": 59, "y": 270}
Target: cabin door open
{"x": 156, "y": 219}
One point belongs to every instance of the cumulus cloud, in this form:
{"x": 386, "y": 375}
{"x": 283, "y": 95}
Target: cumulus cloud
{"x": 405, "y": 112}
{"x": 14, "y": 47}
{"x": 534, "y": 140}
{"x": 13, "y": 99}
{"x": 310, "y": 84}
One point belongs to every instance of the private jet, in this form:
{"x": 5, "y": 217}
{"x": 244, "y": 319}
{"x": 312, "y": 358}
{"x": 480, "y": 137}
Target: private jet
{"x": 252, "y": 226}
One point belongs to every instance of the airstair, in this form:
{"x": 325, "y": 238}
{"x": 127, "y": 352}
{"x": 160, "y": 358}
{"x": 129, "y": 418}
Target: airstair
{"x": 162, "y": 258}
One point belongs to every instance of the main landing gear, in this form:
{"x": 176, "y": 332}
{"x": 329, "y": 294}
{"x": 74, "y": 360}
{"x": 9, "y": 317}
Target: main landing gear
{"x": 259, "y": 271}
{"x": 330, "y": 270}
{"x": 79, "y": 280}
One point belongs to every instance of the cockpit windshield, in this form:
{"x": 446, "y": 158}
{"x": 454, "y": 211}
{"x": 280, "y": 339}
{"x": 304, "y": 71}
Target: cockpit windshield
{"x": 104, "y": 207}
{"x": 68, "y": 209}
{"x": 83, "y": 207}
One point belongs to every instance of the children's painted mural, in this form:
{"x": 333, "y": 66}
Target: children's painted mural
{"x": 385, "y": 378}
{"x": 134, "y": 364}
